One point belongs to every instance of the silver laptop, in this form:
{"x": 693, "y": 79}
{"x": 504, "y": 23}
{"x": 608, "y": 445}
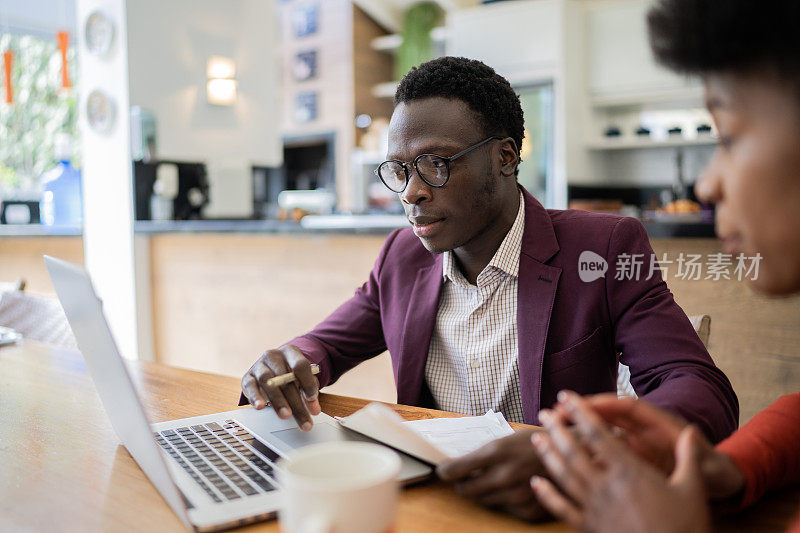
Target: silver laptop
{"x": 216, "y": 471}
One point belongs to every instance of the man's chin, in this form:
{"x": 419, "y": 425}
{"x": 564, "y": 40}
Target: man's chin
{"x": 434, "y": 246}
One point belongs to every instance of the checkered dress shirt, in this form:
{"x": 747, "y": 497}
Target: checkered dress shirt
{"x": 472, "y": 358}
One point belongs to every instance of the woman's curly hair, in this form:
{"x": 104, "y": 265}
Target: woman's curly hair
{"x": 727, "y": 36}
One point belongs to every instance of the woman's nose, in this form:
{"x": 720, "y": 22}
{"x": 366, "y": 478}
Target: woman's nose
{"x": 708, "y": 188}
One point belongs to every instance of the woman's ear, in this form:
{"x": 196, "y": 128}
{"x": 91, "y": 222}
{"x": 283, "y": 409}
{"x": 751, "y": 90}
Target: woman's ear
{"x": 509, "y": 160}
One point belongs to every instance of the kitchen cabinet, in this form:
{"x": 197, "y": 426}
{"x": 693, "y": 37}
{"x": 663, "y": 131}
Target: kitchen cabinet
{"x": 627, "y": 90}
{"x": 22, "y": 247}
{"x": 519, "y": 39}
{"x": 620, "y": 62}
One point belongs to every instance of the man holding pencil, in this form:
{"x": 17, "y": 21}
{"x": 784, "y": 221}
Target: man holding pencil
{"x": 481, "y": 303}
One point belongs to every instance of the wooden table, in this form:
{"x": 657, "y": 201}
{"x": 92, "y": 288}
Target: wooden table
{"x": 62, "y": 467}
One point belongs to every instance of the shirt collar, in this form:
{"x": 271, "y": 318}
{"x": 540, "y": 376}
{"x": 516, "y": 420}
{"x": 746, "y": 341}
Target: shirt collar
{"x": 506, "y": 258}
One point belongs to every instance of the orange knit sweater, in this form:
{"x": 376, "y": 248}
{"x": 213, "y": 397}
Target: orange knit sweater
{"x": 767, "y": 450}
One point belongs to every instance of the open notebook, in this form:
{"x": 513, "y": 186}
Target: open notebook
{"x": 432, "y": 440}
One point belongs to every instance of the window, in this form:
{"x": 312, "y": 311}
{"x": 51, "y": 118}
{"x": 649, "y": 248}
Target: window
{"x": 39, "y": 111}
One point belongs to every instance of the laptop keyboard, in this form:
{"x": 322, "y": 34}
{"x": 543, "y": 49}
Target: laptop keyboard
{"x": 227, "y": 462}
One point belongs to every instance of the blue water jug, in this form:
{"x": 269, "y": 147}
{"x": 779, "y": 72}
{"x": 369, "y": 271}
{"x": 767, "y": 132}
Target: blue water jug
{"x": 60, "y": 203}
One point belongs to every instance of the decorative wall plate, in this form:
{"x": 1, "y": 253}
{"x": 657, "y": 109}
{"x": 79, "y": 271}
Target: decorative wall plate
{"x": 100, "y": 112}
{"x": 99, "y": 33}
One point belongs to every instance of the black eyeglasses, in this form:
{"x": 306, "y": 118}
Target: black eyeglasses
{"x": 433, "y": 169}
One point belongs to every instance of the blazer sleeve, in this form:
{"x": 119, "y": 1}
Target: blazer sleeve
{"x": 669, "y": 365}
{"x": 351, "y": 334}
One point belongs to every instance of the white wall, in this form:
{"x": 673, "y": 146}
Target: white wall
{"x": 107, "y": 191}
{"x": 574, "y": 104}
{"x": 168, "y": 46}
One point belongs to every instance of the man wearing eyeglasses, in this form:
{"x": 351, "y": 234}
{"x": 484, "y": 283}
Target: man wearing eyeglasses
{"x": 480, "y": 302}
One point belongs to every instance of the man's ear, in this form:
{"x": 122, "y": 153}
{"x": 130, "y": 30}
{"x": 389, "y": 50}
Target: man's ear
{"x": 509, "y": 160}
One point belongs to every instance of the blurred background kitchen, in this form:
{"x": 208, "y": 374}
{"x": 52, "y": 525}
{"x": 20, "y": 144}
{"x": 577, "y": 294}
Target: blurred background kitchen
{"x": 211, "y": 162}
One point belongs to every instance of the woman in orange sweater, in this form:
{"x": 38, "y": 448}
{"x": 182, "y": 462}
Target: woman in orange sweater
{"x": 627, "y": 466}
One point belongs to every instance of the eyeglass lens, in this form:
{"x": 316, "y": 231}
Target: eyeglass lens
{"x": 432, "y": 169}
{"x": 393, "y": 175}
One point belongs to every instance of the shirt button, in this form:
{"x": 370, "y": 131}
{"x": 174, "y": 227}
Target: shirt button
{"x": 475, "y": 363}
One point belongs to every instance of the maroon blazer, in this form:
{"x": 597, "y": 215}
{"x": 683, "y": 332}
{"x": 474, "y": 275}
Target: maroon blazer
{"x": 570, "y": 331}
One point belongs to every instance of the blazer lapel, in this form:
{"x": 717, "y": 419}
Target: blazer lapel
{"x": 536, "y": 293}
{"x": 417, "y": 331}
{"x": 537, "y": 288}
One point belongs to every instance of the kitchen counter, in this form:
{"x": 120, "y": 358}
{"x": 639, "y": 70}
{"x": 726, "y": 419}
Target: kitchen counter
{"x": 370, "y": 225}
{"x": 349, "y": 224}
{"x": 333, "y": 224}
{"x": 37, "y": 230}
{"x": 215, "y": 226}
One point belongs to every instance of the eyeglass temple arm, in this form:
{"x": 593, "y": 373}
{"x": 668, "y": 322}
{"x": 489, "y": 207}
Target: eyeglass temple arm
{"x": 474, "y": 147}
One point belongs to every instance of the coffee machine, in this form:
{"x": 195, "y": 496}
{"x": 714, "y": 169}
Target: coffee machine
{"x": 192, "y": 190}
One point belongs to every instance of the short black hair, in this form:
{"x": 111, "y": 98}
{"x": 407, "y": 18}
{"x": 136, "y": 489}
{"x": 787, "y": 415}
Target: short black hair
{"x": 727, "y": 36}
{"x": 485, "y": 91}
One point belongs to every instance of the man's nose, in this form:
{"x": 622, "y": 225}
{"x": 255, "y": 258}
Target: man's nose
{"x": 416, "y": 191}
{"x": 708, "y": 188}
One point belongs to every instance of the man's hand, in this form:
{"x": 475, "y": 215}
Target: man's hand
{"x": 604, "y": 487}
{"x": 298, "y": 398}
{"x": 653, "y": 435}
{"x": 497, "y": 475}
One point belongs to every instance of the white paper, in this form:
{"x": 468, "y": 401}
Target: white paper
{"x": 379, "y": 422}
{"x": 433, "y": 440}
{"x": 460, "y": 436}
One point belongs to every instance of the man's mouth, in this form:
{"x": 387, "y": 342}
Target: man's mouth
{"x": 425, "y": 226}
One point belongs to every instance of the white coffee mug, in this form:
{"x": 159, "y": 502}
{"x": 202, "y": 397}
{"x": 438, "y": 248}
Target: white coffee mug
{"x": 339, "y": 487}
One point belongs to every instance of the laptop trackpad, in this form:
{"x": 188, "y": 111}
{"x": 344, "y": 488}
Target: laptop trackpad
{"x": 321, "y": 432}
{"x": 411, "y": 471}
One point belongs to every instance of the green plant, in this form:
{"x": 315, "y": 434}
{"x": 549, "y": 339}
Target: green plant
{"x": 40, "y": 110}
{"x": 417, "y": 46}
